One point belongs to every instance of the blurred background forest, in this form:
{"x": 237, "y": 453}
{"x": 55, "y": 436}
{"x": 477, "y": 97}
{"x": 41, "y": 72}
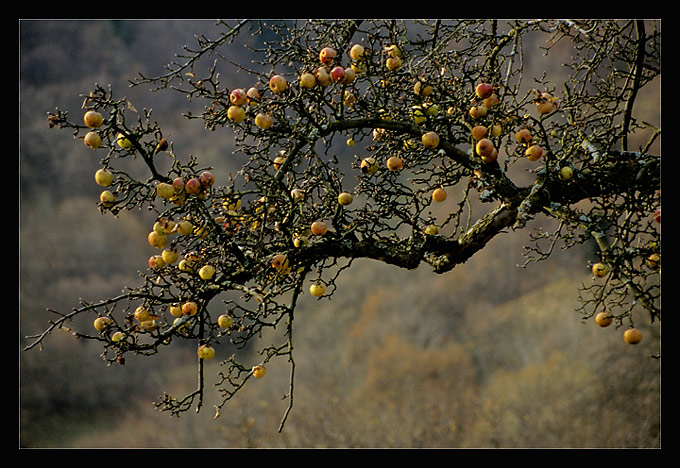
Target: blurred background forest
{"x": 488, "y": 355}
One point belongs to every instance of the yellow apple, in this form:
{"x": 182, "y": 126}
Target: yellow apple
{"x": 107, "y": 198}
{"x": 236, "y": 113}
{"x": 102, "y": 323}
{"x": 277, "y": 84}
{"x": 478, "y": 111}
{"x": 206, "y": 272}
{"x": 165, "y": 190}
{"x": 394, "y": 164}
{"x": 123, "y": 142}
{"x": 157, "y": 240}
{"x": 92, "y": 140}
{"x": 93, "y": 119}
{"x": 258, "y": 371}
{"x": 317, "y": 289}
{"x": 484, "y": 147}
{"x": 534, "y": 153}
{"x": 225, "y": 321}
{"x": 479, "y": 132}
{"x": 345, "y": 198}
{"x": 307, "y": 80}
{"x": 431, "y": 230}
{"x": 264, "y": 121}
{"x": 566, "y": 173}
{"x": 206, "y": 352}
{"x": 523, "y": 136}
{"x": 369, "y": 166}
{"x": 357, "y": 52}
{"x": 439, "y": 195}
{"x": 430, "y": 140}
{"x": 169, "y": 256}
{"x": 185, "y": 227}
{"x": 322, "y": 76}
{"x": 176, "y": 310}
{"x": 318, "y": 228}
{"x": 142, "y": 314}
{"x": 632, "y": 336}
{"x": 600, "y": 269}
{"x": 604, "y": 319}
{"x": 103, "y": 177}
{"x": 189, "y": 308}
{"x": 393, "y": 63}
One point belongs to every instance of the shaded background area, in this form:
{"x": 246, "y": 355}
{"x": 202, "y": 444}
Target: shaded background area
{"x": 488, "y": 355}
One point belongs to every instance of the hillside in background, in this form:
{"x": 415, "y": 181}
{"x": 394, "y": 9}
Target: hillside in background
{"x": 488, "y": 355}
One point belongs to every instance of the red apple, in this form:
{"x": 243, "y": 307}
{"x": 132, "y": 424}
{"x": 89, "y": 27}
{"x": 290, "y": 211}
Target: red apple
{"x": 337, "y": 73}
{"x": 193, "y": 186}
{"x": 484, "y": 90}
{"x": 238, "y": 97}
{"x": 327, "y": 54}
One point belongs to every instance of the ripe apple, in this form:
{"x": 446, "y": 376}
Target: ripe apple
{"x": 92, "y": 140}
{"x": 102, "y": 323}
{"x": 345, "y": 198}
{"x": 103, "y": 177}
{"x": 566, "y": 173}
{"x": 207, "y": 179}
{"x": 317, "y": 289}
{"x": 632, "y": 336}
{"x": 123, "y": 142}
{"x": 118, "y": 337}
{"x": 157, "y": 240}
{"x": 496, "y": 129}
{"x": 253, "y": 94}
{"x": 394, "y": 164}
{"x": 418, "y": 115}
{"x": 439, "y": 195}
{"x": 350, "y": 75}
{"x": 264, "y": 121}
{"x": 206, "y": 352}
{"x": 534, "y": 153}
{"x": 484, "y": 147}
{"x": 280, "y": 262}
{"x": 93, "y": 119}
{"x": 142, "y": 314}
{"x": 491, "y": 157}
{"x": 478, "y": 111}
{"x": 523, "y": 136}
{"x": 258, "y": 371}
{"x": 175, "y": 310}
{"x": 393, "y": 50}
{"x": 545, "y": 107}
{"x": 491, "y": 101}
{"x": 604, "y": 319}
{"x": 430, "y": 140}
{"x": 193, "y": 186}
{"x": 327, "y": 54}
{"x": 318, "y": 228}
{"x": 225, "y": 321}
{"x": 238, "y": 97}
{"x": 156, "y": 261}
{"x": 369, "y": 166}
{"x": 236, "y": 113}
{"x": 169, "y": 256}
{"x": 337, "y": 73}
{"x": 206, "y": 272}
{"x": 300, "y": 241}
{"x": 484, "y": 90}
{"x": 422, "y": 89}
{"x": 178, "y": 184}
{"x": 322, "y": 76}
{"x": 277, "y": 84}
{"x": 600, "y": 269}
{"x": 185, "y": 227}
{"x": 357, "y": 52}
{"x": 307, "y": 80}
{"x": 393, "y": 63}
{"x": 107, "y": 198}
{"x": 165, "y": 190}
{"x": 479, "y": 132}
{"x": 189, "y": 308}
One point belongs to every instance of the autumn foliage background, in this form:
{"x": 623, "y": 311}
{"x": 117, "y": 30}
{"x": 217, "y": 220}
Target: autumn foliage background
{"x": 488, "y": 355}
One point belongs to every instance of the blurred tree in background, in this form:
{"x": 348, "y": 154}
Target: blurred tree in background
{"x": 408, "y": 143}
